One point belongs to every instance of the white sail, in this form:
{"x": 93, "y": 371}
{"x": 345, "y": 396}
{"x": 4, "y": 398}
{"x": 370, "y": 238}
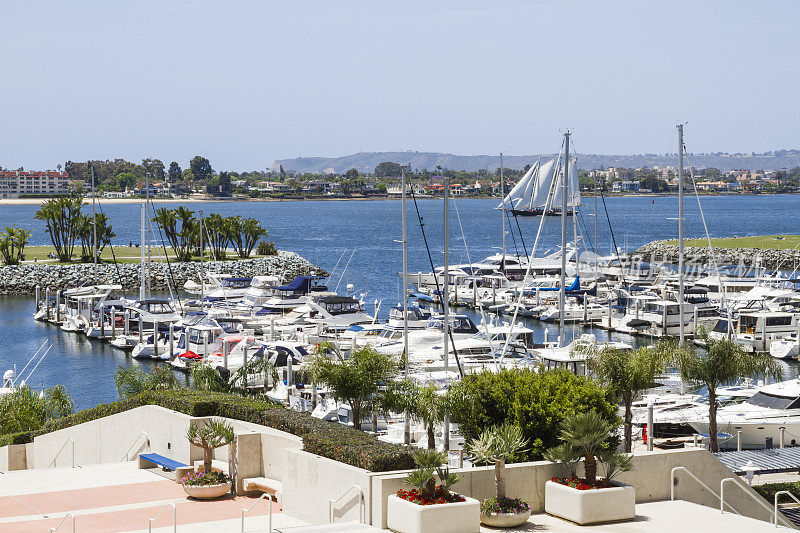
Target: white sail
{"x": 525, "y": 199}
{"x": 573, "y": 194}
{"x": 518, "y": 190}
{"x": 541, "y": 190}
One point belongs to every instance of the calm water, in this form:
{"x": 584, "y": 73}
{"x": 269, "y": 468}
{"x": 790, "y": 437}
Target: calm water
{"x": 361, "y": 235}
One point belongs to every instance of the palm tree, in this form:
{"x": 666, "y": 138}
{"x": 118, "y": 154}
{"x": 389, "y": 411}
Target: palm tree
{"x": 421, "y": 402}
{"x": 60, "y": 216}
{"x": 213, "y": 434}
{"x": 586, "y": 432}
{"x": 724, "y": 362}
{"x": 498, "y": 445}
{"x": 429, "y": 467}
{"x": 627, "y": 373}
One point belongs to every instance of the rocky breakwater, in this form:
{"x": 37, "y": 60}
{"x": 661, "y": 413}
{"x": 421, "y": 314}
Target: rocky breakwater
{"x": 661, "y": 252}
{"x": 23, "y": 279}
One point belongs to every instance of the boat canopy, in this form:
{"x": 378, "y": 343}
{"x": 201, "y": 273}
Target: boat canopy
{"x": 301, "y": 285}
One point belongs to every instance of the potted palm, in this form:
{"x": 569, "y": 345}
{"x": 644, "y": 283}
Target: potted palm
{"x": 208, "y": 484}
{"x": 498, "y": 445}
{"x": 588, "y": 500}
{"x": 428, "y": 507}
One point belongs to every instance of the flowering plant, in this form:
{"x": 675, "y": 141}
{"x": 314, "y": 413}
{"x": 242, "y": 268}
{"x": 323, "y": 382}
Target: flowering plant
{"x": 439, "y": 495}
{"x": 203, "y": 478}
{"x": 504, "y": 506}
{"x": 582, "y": 484}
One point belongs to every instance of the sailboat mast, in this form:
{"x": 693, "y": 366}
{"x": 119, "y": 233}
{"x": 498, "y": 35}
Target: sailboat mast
{"x": 596, "y": 245}
{"x": 143, "y": 267}
{"x": 94, "y": 227}
{"x": 446, "y": 292}
{"x": 502, "y": 213}
{"x": 680, "y": 232}
{"x": 562, "y": 293}
{"x": 407, "y": 425}
{"x": 202, "y": 262}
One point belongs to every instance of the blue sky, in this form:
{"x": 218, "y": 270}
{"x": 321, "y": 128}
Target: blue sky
{"x": 244, "y": 83}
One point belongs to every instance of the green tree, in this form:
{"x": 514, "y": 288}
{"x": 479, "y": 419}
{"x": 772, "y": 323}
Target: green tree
{"x": 154, "y": 168}
{"x": 12, "y": 244}
{"x": 536, "y": 402}
{"x": 244, "y": 234}
{"x": 586, "y": 432}
{"x": 201, "y": 168}
{"x": 60, "y": 216}
{"x": 212, "y": 434}
{"x": 356, "y": 379}
{"x": 125, "y": 180}
{"x": 421, "y": 402}
{"x": 179, "y": 237}
{"x": 388, "y": 169}
{"x": 429, "y": 467}
{"x": 25, "y": 410}
{"x": 132, "y": 380}
{"x": 218, "y": 234}
{"x": 724, "y": 362}
{"x": 627, "y": 373}
{"x": 174, "y": 172}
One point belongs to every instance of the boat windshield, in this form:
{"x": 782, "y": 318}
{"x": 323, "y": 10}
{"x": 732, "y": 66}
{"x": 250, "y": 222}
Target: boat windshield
{"x": 771, "y": 401}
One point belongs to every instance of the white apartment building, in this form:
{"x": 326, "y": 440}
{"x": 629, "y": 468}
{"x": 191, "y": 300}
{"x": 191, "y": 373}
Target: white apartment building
{"x": 13, "y": 183}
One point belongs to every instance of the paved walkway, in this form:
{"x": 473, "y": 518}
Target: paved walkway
{"x": 117, "y": 498}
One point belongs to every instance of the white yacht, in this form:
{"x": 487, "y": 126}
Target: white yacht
{"x": 757, "y": 330}
{"x": 574, "y": 356}
{"x": 770, "y": 412}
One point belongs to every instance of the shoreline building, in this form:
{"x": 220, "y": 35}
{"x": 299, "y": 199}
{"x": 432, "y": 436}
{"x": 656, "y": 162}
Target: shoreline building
{"x": 14, "y": 183}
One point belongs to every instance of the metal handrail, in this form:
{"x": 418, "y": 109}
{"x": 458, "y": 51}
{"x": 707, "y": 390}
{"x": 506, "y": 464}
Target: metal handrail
{"x": 53, "y": 462}
{"x": 708, "y": 489}
{"x": 777, "y": 495}
{"x": 738, "y": 484}
{"x": 332, "y": 503}
{"x": 127, "y": 456}
{"x": 247, "y": 510}
{"x": 174, "y": 518}
{"x": 68, "y": 515}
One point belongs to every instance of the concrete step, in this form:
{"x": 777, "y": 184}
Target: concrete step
{"x": 339, "y": 527}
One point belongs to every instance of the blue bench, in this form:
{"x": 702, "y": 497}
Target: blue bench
{"x": 146, "y": 460}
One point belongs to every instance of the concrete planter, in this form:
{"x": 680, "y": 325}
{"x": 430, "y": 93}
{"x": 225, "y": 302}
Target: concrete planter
{"x": 590, "y": 506}
{"x": 207, "y": 492}
{"x": 505, "y": 519}
{"x": 404, "y": 516}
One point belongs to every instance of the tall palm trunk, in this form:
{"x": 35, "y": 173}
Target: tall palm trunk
{"x": 500, "y": 478}
{"x": 431, "y": 437}
{"x": 356, "y": 415}
{"x": 629, "y": 425}
{"x": 712, "y": 420}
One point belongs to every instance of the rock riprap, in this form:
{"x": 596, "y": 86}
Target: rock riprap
{"x": 23, "y": 279}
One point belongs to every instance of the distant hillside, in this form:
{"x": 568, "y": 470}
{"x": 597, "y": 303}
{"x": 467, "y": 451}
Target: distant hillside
{"x": 367, "y": 161}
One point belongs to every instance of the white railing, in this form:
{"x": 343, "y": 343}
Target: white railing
{"x": 127, "y": 456}
{"x": 69, "y": 440}
{"x": 706, "y": 487}
{"x": 248, "y": 509}
{"x": 762, "y": 504}
{"x": 68, "y": 515}
{"x": 174, "y": 518}
{"x": 777, "y": 495}
{"x": 333, "y": 502}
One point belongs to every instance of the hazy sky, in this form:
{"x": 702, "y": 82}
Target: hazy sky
{"x": 244, "y": 83}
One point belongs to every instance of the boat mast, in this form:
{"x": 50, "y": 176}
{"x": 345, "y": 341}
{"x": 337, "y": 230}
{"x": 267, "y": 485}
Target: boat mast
{"x": 445, "y": 291}
{"x": 596, "y": 245}
{"x": 143, "y": 267}
{"x": 563, "y": 290}
{"x": 502, "y": 213}
{"x": 94, "y": 228}
{"x": 407, "y": 425}
{"x": 202, "y": 262}
{"x": 147, "y": 227}
{"x": 680, "y": 232}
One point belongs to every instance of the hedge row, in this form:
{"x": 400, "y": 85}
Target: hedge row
{"x": 327, "y": 439}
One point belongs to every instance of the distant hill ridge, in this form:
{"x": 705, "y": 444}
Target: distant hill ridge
{"x": 367, "y": 161}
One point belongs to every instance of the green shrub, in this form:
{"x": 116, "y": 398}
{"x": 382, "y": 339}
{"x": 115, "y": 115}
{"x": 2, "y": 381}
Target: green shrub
{"x": 266, "y": 248}
{"x": 537, "y": 402}
{"x": 768, "y": 490}
{"x": 327, "y": 439}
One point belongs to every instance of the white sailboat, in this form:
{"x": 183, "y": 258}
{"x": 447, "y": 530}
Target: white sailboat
{"x": 542, "y": 182}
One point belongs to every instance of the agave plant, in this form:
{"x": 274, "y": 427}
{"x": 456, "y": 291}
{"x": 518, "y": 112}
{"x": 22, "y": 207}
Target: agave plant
{"x": 498, "y": 445}
{"x": 211, "y": 435}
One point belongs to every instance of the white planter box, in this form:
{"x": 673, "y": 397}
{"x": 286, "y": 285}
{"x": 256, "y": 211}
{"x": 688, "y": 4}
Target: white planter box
{"x": 404, "y": 516}
{"x": 590, "y": 506}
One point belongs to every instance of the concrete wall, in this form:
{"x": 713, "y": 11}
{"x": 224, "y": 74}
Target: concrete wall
{"x": 650, "y": 476}
{"x": 312, "y": 481}
{"x": 13, "y": 457}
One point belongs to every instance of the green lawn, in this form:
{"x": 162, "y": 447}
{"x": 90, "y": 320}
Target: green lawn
{"x": 123, "y": 254}
{"x": 776, "y": 242}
